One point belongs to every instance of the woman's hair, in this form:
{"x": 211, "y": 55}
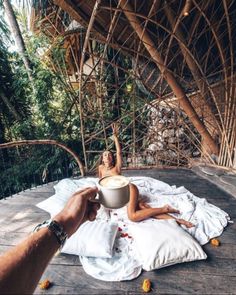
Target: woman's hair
{"x": 113, "y": 158}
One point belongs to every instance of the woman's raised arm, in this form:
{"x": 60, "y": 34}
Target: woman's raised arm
{"x": 118, "y": 147}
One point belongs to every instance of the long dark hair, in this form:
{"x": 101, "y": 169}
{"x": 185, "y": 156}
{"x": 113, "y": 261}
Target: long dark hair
{"x": 113, "y": 158}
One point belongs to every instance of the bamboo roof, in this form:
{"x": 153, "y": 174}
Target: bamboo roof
{"x": 178, "y": 49}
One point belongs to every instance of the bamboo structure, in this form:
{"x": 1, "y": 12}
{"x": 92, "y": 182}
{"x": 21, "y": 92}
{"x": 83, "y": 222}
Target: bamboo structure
{"x": 179, "y": 57}
{"x": 45, "y": 142}
{"x": 177, "y": 90}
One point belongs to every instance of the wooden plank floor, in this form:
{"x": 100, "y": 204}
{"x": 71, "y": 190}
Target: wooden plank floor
{"x": 216, "y": 275}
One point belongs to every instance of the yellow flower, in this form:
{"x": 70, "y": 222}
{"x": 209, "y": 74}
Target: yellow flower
{"x": 215, "y": 242}
{"x": 146, "y": 285}
{"x": 45, "y": 284}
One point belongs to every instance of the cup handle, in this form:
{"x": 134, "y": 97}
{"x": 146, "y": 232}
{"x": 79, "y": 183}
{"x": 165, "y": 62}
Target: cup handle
{"x": 96, "y": 199}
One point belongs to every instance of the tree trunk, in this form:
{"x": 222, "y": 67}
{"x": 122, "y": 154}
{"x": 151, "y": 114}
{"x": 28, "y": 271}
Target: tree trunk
{"x": 17, "y": 37}
{"x": 9, "y": 105}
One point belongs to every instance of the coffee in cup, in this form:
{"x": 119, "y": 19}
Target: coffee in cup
{"x": 116, "y": 181}
{"x": 113, "y": 191}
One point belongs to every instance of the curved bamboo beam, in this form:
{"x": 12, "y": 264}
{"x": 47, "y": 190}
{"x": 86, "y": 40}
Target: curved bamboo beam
{"x": 225, "y": 146}
{"x": 74, "y": 11}
{"x": 44, "y": 142}
{"x": 186, "y": 48}
{"x": 217, "y": 40}
{"x": 191, "y": 62}
{"x": 176, "y": 88}
{"x": 192, "y": 31}
{"x": 71, "y": 9}
{"x": 154, "y": 7}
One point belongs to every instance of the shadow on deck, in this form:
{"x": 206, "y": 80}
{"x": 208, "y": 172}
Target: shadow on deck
{"x": 216, "y": 275}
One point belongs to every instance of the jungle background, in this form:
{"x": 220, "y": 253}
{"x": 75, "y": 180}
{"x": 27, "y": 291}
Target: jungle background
{"x": 34, "y": 106}
{"x": 54, "y": 88}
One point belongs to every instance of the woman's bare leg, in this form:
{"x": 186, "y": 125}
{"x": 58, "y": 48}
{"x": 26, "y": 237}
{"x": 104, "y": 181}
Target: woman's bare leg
{"x": 180, "y": 221}
{"x": 136, "y": 214}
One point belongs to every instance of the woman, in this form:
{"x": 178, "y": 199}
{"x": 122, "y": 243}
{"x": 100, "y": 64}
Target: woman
{"x": 108, "y": 165}
{"x": 137, "y": 210}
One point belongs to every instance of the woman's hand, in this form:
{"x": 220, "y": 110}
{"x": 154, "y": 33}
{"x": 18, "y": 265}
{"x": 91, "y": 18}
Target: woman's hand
{"x": 115, "y": 129}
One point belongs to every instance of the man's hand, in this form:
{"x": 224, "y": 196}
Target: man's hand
{"x": 78, "y": 209}
{"x": 22, "y": 266}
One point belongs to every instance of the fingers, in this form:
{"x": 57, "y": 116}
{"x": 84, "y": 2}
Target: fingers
{"x": 114, "y": 127}
{"x": 96, "y": 206}
{"x": 88, "y": 192}
{"x": 93, "y": 208}
{"x": 92, "y": 215}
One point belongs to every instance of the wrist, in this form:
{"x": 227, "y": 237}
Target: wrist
{"x": 64, "y": 222}
{"x": 68, "y": 223}
{"x": 56, "y": 230}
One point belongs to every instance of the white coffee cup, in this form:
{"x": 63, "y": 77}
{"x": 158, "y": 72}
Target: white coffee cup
{"x": 113, "y": 191}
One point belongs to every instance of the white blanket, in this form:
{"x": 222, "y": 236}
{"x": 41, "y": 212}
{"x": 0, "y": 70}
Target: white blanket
{"x": 209, "y": 222}
{"x": 208, "y": 219}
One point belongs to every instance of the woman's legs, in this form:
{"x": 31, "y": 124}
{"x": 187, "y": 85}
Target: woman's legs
{"x": 135, "y": 213}
{"x": 188, "y": 224}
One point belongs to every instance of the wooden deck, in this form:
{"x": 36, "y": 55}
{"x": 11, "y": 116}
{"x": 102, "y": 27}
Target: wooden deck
{"x": 216, "y": 275}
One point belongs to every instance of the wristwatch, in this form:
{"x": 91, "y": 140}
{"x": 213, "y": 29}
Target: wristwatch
{"x": 56, "y": 228}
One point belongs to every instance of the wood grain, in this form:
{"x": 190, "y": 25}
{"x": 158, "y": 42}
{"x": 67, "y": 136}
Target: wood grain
{"x": 216, "y": 275}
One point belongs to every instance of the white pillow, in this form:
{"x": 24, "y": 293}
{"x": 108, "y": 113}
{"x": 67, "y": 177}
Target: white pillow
{"x": 161, "y": 243}
{"x": 94, "y": 239}
{"x": 53, "y": 205}
{"x": 63, "y": 191}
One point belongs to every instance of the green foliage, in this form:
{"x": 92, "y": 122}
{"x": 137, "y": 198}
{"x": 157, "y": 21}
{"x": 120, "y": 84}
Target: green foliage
{"x": 47, "y": 108}
{"x": 33, "y": 110}
{"x": 28, "y": 167}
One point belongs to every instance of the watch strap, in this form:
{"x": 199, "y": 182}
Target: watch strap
{"x": 56, "y": 228}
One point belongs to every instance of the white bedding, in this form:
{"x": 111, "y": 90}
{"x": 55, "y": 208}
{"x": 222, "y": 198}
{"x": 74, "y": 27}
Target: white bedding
{"x": 209, "y": 222}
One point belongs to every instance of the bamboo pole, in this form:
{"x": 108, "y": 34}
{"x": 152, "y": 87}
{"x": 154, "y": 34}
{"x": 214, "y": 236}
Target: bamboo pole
{"x": 154, "y": 7}
{"x": 134, "y": 125}
{"x": 178, "y": 91}
{"x": 200, "y": 81}
{"x": 131, "y": 51}
{"x": 219, "y": 44}
{"x": 74, "y": 11}
{"x": 92, "y": 19}
{"x": 231, "y": 51}
{"x": 99, "y": 95}
{"x": 45, "y": 142}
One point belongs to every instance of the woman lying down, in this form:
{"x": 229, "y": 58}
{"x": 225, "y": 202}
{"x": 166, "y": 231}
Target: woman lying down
{"x": 137, "y": 210}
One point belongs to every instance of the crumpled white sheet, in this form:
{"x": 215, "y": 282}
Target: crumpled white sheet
{"x": 124, "y": 265}
{"x": 209, "y": 222}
